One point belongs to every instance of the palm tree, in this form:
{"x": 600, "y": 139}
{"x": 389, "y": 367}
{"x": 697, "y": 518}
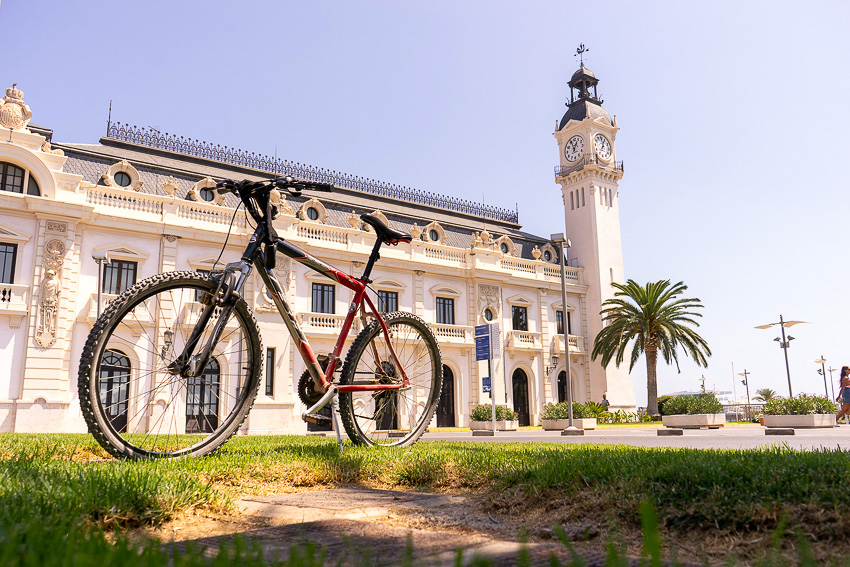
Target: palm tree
{"x": 765, "y": 395}
{"x": 655, "y": 318}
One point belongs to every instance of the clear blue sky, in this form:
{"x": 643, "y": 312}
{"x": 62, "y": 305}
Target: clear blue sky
{"x": 734, "y": 126}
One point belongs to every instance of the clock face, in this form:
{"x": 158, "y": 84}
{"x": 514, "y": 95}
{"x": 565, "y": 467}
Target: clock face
{"x": 574, "y": 148}
{"x": 602, "y": 145}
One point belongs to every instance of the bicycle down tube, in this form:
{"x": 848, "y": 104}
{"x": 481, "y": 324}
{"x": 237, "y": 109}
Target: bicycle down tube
{"x": 322, "y": 379}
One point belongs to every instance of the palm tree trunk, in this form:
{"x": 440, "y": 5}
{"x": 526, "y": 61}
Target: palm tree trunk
{"x": 651, "y": 382}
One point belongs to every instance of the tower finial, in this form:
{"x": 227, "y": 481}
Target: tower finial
{"x": 580, "y": 52}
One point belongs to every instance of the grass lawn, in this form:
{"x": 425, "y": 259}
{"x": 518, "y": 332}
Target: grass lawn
{"x": 59, "y": 491}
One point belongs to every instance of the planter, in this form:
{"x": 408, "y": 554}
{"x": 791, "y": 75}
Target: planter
{"x": 696, "y": 421}
{"x": 560, "y": 424}
{"x": 800, "y": 421}
{"x": 488, "y": 425}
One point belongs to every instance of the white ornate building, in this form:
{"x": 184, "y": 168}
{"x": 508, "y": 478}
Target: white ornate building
{"x": 144, "y": 200}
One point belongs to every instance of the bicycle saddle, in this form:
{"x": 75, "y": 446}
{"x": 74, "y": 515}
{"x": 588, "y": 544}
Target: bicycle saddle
{"x": 386, "y": 234}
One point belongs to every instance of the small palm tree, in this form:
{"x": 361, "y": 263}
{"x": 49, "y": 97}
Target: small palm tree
{"x": 765, "y": 395}
{"x": 655, "y": 318}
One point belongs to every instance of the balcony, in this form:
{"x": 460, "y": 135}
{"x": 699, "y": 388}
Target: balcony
{"x": 523, "y": 340}
{"x": 453, "y": 334}
{"x": 588, "y": 160}
{"x": 13, "y": 302}
{"x": 576, "y": 344}
{"x": 325, "y": 324}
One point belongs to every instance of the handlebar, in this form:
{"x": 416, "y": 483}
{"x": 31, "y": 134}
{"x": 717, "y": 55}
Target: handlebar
{"x": 248, "y": 188}
{"x": 262, "y": 197}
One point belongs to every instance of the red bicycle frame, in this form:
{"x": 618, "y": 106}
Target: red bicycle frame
{"x": 323, "y": 379}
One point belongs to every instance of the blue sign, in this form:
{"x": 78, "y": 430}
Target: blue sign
{"x": 482, "y": 342}
{"x": 485, "y": 384}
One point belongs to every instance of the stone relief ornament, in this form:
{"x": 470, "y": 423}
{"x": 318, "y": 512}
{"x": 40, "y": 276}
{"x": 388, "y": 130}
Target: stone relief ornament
{"x": 170, "y": 186}
{"x": 14, "y": 113}
{"x": 45, "y": 147}
{"x": 536, "y": 253}
{"x": 353, "y": 219}
{"x": 488, "y": 296}
{"x": 48, "y": 304}
{"x": 415, "y": 231}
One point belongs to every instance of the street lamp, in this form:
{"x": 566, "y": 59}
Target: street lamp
{"x": 822, "y": 372}
{"x": 553, "y": 364}
{"x": 561, "y": 240}
{"x": 746, "y": 383}
{"x": 101, "y": 257}
{"x": 702, "y": 379}
{"x": 831, "y": 387}
{"x": 783, "y": 344}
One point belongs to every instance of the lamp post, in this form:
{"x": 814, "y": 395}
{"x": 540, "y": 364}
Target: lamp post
{"x": 822, "y": 371}
{"x": 702, "y": 379}
{"x": 831, "y": 387}
{"x": 746, "y": 383}
{"x": 101, "y": 257}
{"x": 561, "y": 240}
{"x": 783, "y": 344}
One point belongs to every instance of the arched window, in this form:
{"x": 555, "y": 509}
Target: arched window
{"x": 14, "y": 179}
{"x": 202, "y": 396}
{"x": 113, "y": 382}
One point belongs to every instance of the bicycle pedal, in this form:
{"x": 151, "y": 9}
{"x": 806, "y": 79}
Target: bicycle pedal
{"x": 316, "y": 418}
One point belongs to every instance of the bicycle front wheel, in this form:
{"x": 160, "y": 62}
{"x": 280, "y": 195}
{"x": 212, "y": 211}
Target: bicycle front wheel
{"x": 135, "y": 401}
{"x": 392, "y": 417}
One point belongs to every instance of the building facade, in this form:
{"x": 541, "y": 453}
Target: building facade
{"x": 145, "y": 202}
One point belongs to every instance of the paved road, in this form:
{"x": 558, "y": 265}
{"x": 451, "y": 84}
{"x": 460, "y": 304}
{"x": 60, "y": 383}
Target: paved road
{"x": 729, "y": 437}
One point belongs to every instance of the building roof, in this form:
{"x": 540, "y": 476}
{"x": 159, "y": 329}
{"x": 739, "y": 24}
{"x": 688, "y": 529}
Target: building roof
{"x": 157, "y": 165}
{"x": 582, "y": 109}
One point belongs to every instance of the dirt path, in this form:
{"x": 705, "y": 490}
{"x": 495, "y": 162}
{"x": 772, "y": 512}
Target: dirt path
{"x": 358, "y": 526}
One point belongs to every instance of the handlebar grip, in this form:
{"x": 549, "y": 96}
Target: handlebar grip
{"x": 225, "y": 186}
{"x": 325, "y": 187}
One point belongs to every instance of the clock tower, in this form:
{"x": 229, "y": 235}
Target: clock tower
{"x": 589, "y": 174}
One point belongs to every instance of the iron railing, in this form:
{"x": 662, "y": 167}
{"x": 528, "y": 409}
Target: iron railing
{"x": 189, "y": 146}
{"x": 588, "y": 159}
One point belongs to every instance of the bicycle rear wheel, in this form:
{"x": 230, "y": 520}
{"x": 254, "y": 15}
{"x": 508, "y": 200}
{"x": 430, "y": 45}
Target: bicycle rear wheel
{"x": 134, "y": 405}
{"x": 391, "y": 417}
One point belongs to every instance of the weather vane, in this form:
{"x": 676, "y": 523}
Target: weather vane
{"x": 580, "y": 52}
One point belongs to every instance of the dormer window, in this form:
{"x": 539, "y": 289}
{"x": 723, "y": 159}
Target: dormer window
{"x": 207, "y": 194}
{"x": 433, "y": 235}
{"x": 122, "y": 179}
{"x": 312, "y": 213}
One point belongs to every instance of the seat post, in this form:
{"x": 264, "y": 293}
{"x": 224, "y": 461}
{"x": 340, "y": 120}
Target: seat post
{"x": 373, "y": 257}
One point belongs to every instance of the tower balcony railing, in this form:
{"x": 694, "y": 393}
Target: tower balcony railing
{"x": 586, "y": 160}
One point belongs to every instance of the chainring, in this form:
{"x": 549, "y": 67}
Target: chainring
{"x": 306, "y": 388}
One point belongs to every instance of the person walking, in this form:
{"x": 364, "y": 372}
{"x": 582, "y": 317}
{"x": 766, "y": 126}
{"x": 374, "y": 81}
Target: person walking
{"x": 843, "y": 393}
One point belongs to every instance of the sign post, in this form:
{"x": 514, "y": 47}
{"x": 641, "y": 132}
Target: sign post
{"x": 487, "y": 346}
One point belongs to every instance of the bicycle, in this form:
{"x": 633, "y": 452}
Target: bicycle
{"x": 198, "y": 352}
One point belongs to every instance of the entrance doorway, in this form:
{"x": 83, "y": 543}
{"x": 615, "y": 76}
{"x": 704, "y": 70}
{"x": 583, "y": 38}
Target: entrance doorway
{"x": 202, "y": 400}
{"x": 562, "y": 387}
{"x": 520, "y": 389}
{"x": 446, "y": 406}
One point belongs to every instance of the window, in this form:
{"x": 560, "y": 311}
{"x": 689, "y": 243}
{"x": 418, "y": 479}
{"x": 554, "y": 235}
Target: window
{"x": 118, "y": 276}
{"x": 207, "y": 193}
{"x": 387, "y": 301}
{"x": 323, "y": 298}
{"x": 488, "y": 314}
{"x": 572, "y": 201}
{"x": 559, "y": 323}
{"x": 7, "y": 262}
{"x": 504, "y": 248}
{"x": 445, "y": 311}
{"x": 433, "y": 235}
{"x": 312, "y": 213}
{"x": 270, "y": 362}
{"x": 520, "y": 318}
{"x": 582, "y": 196}
{"x": 121, "y": 179}
{"x": 11, "y": 178}
{"x": 547, "y": 256}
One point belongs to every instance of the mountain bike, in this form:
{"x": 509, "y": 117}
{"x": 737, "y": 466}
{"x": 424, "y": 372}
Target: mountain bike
{"x": 173, "y": 365}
